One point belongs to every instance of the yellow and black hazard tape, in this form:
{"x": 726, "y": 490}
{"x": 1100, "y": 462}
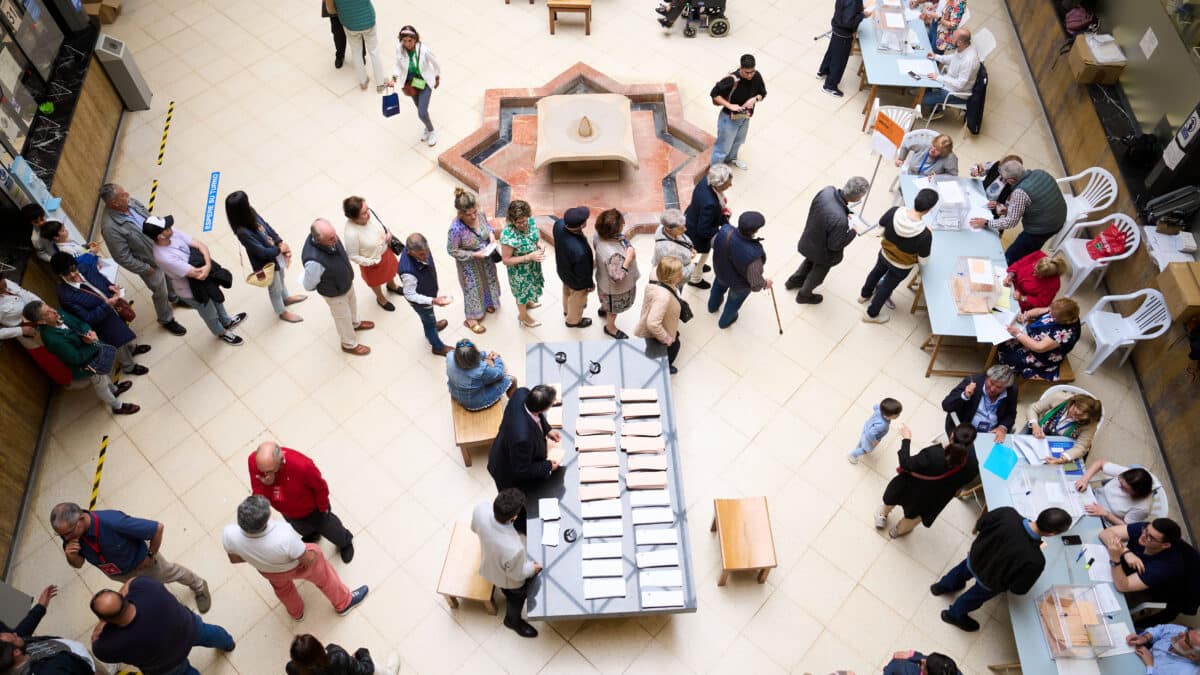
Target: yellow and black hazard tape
{"x": 153, "y": 190}
{"x": 99, "y": 472}
{"x": 162, "y": 147}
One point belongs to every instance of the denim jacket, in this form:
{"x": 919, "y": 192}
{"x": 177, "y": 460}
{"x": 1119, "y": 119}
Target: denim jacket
{"x": 479, "y": 387}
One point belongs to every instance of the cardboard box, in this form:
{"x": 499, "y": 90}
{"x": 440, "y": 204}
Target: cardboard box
{"x": 1180, "y": 286}
{"x": 105, "y": 10}
{"x": 1087, "y": 70}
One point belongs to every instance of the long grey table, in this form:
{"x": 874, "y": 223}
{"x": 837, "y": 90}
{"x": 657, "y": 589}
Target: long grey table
{"x": 557, "y": 592}
{"x": 1061, "y": 568}
{"x": 880, "y": 67}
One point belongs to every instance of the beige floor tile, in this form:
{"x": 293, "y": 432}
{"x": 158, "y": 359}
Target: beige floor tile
{"x": 842, "y": 542}
{"x": 865, "y": 614}
{"x": 829, "y": 654}
{"x": 454, "y": 646}
{"x": 782, "y": 630}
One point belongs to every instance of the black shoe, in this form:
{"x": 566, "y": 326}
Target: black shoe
{"x": 522, "y": 628}
{"x": 175, "y": 328}
{"x": 238, "y": 318}
{"x": 665, "y": 24}
{"x": 231, "y": 339}
{"x": 583, "y": 323}
{"x": 702, "y": 284}
{"x": 348, "y": 552}
{"x": 356, "y": 597}
{"x": 706, "y": 268}
{"x": 793, "y": 285}
{"x": 387, "y": 307}
{"x": 619, "y": 335}
{"x": 601, "y": 313}
{"x": 672, "y": 369}
{"x": 813, "y": 299}
{"x": 934, "y": 589}
{"x": 821, "y": 76}
{"x": 126, "y": 409}
{"x": 338, "y": 60}
{"x": 833, "y": 92}
{"x": 123, "y": 387}
{"x": 138, "y": 369}
{"x": 966, "y": 623}
{"x": 140, "y": 349}
{"x": 661, "y": 10}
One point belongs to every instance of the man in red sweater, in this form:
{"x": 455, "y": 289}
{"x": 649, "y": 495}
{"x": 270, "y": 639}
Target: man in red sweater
{"x": 296, "y": 489}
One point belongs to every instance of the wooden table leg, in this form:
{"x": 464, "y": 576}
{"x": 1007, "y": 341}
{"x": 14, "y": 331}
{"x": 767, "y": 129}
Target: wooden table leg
{"x": 918, "y": 297}
{"x": 867, "y": 107}
{"x": 991, "y": 357}
{"x": 762, "y": 575}
{"x": 713, "y": 527}
{"x": 452, "y": 601}
{"x": 937, "y": 347}
{"x": 724, "y": 577}
{"x": 587, "y": 22}
{"x": 920, "y": 96}
{"x": 466, "y": 454}
{"x": 490, "y": 603}
{"x": 553, "y": 16}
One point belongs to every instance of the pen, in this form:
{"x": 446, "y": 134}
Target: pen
{"x": 1080, "y": 556}
{"x": 1088, "y": 566}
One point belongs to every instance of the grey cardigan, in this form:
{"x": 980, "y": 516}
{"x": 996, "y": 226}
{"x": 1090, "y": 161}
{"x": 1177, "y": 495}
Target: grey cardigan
{"x": 914, "y": 151}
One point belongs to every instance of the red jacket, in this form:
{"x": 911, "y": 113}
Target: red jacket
{"x": 1036, "y": 291}
{"x": 299, "y": 488}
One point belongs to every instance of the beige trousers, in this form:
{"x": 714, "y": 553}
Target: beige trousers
{"x": 344, "y": 309}
{"x": 166, "y": 572}
{"x": 574, "y": 302}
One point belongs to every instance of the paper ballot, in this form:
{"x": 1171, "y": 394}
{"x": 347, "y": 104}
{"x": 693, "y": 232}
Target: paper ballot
{"x": 667, "y": 557}
{"x": 641, "y": 429}
{"x": 554, "y": 451}
{"x": 606, "y": 567}
{"x": 989, "y": 330}
{"x": 1033, "y": 450}
{"x": 604, "y": 508}
{"x": 651, "y": 536}
{"x": 653, "y": 514}
{"x": 1109, "y": 603}
{"x": 602, "y": 550}
{"x": 597, "y": 474}
{"x": 588, "y": 493}
{"x": 893, "y": 19}
{"x": 642, "y": 444}
{"x": 599, "y": 406}
{"x": 550, "y": 534}
{"x": 649, "y": 498}
{"x": 662, "y": 599}
{"x": 647, "y": 463}
{"x": 629, "y": 410}
{"x": 638, "y": 395}
{"x": 604, "y": 588}
{"x": 669, "y": 577}
{"x": 646, "y": 480}
{"x": 595, "y": 529}
{"x": 598, "y": 391}
{"x": 922, "y": 67}
{"x": 554, "y": 417}
{"x": 597, "y": 459}
{"x": 596, "y": 443}
{"x": 548, "y": 508}
{"x": 592, "y": 426}
{"x": 1116, "y": 635}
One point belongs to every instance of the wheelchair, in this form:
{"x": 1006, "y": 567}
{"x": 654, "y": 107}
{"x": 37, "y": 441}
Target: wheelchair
{"x": 698, "y": 14}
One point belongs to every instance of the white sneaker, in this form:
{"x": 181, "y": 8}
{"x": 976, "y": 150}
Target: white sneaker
{"x": 883, "y": 317}
{"x": 853, "y": 459}
{"x": 863, "y": 301}
{"x": 737, "y": 163}
{"x": 431, "y": 139}
{"x": 880, "y": 519}
{"x": 889, "y": 304}
{"x": 424, "y": 136}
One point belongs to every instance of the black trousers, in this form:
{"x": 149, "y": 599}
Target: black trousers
{"x": 322, "y": 524}
{"x": 515, "y": 601}
{"x": 881, "y": 281}
{"x": 1023, "y": 245}
{"x": 833, "y": 66}
{"x": 675, "y": 9}
{"x": 339, "y": 36}
{"x": 808, "y": 276}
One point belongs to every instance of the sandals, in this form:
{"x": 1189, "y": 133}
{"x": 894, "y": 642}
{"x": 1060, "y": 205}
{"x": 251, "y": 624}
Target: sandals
{"x": 533, "y": 305}
{"x": 490, "y": 309}
{"x": 476, "y": 328}
{"x": 532, "y": 324}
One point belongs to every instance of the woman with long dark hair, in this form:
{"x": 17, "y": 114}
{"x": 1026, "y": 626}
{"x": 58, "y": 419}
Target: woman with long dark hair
{"x": 927, "y": 481}
{"x": 263, "y": 247}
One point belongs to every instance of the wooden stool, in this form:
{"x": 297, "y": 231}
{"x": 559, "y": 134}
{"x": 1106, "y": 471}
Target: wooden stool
{"x": 579, "y": 6}
{"x": 460, "y": 578}
{"x": 473, "y": 429}
{"x": 743, "y": 528}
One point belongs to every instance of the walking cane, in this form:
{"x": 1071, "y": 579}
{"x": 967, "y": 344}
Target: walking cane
{"x": 776, "y": 305}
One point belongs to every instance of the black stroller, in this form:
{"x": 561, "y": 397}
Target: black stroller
{"x": 698, "y": 14}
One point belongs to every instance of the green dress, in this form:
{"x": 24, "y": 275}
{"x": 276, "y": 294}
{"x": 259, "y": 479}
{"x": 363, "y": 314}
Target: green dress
{"x": 524, "y": 278}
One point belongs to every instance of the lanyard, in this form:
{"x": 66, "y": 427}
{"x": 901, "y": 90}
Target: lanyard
{"x": 921, "y": 170}
{"x": 96, "y": 535}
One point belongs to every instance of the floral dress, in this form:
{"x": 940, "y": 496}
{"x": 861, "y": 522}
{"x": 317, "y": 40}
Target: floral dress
{"x": 1045, "y": 364}
{"x": 476, "y": 276}
{"x": 952, "y": 15}
{"x": 524, "y": 278}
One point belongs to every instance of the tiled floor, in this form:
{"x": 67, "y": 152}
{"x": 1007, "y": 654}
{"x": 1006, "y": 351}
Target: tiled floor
{"x": 257, "y": 99}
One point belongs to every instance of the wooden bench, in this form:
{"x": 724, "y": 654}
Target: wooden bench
{"x": 475, "y": 429}
{"x": 460, "y": 578}
{"x": 579, "y": 6}
{"x": 743, "y": 528}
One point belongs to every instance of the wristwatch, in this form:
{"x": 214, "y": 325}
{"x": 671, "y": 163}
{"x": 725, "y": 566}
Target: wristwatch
{"x": 1115, "y": 563}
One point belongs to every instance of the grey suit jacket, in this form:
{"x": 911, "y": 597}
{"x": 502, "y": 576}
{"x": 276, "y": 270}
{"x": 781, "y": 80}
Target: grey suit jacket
{"x": 132, "y": 249}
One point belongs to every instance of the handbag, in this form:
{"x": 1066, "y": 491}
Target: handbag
{"x": 391, "y": 103}
{"x": 494, "y": 256}
{"x": 685, "y": 310}
{"x": 1110, "y": 242}
{"x": 396, "y": 246}
{"x": 121, "y": 306}
{"x": 263, "y": 277}
{"x": 102, "y": 362}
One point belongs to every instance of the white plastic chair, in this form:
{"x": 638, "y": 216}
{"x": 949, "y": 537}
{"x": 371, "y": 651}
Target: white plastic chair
{"x": 1098, "y": 194}
{"x": 985, "y": 43}
{"x": 903, "y": 117}
{"x": 1074, "y": 249}
{"x": 1113, "y": 331}
{"x": 1072, "y": 389}
{"x": 919, "y": 135}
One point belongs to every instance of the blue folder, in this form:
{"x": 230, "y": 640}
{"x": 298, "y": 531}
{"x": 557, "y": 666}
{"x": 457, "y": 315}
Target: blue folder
{"x": 1001, "y": 461}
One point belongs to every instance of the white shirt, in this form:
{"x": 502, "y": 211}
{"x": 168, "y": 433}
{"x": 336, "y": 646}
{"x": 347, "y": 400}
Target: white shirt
{"x": 276, "y": 549}
{"x": 12, "y": 302}
{"x": 1120, "y": 504}
{"x": 961, "y": 69}
{"x": 502, "y": 561}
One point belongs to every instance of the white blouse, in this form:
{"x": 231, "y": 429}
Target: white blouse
{"x": 364, "y": 244}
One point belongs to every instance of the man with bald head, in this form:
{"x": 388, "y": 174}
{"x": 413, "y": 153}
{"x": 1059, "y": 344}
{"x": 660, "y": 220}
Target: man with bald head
{"x": 327, "y": 270}
{"x": 961, "y": 67}
{"x": 296, "y": 489}
{"x": 145, "y": 626}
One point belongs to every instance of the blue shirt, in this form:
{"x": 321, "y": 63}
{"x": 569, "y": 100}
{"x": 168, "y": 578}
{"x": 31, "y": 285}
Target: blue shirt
{"x": 116, "y": 542}
{"x": 986, "y": 413}
{"x": 1167, "y": 662}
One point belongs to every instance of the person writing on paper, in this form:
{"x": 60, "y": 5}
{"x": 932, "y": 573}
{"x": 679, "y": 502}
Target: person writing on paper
{"x": 1130, "y": 495}
{"x": 962, "y": 66}
{"x": 1151, "y": 562}
{"x": 986, "y": 402}
{"x": 906, "y": 243}
{"x": 1041, "y": 350}
{"x": 1169, "y": 649}
{"x": 1035, "y": 201}
{"x": 927, "y": 158}
{"x": 503, "y": 560}
{"x": 1074, "y": 416}
{"x": 1034, "y": 280}
{"x": 518, "y": 456}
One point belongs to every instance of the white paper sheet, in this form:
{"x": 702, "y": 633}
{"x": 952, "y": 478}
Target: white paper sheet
{"x": 922, "y": 67}
{"x": 667, "y": 557}
{"x": 1106, "y": 594}
{"x": 989, "y": 330}
{"x": 666, "y": 577}
{"x": 604, "y": 588}
{"x": 1100, "y": 569}
{"x": 608, "y": 567}
{"x": 1034, "y": 450}
{"x": 653, "y": 514}
{"x": 893, "y": 19}
{"x": 548, "y": 508}
{"x": 593, "y": 529}
{"x": 649, "y": 536}
{"x": 603, "y": 508}
{"x": 1117, "y": 632}
{"x": 602, "y": 550}
{"x": 550, "y": 534}
{"x": 649, "y": 498}
{"x": 662, "y": 599}
{"x": 1078, "y": 666}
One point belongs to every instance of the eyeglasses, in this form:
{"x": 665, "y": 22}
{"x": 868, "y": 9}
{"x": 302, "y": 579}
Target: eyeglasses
{"x": 263, "y": 475}
{"x": 1156, "y": 540}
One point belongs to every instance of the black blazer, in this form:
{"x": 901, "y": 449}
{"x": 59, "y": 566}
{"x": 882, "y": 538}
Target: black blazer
{"x": 704, "y": 216}
{"x": 573, "y": 258}
{"x": 518, "y": 455}
{"x": 1006, "y": 415}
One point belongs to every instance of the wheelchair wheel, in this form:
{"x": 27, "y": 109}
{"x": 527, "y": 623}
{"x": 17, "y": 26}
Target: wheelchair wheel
{"x": 689, "y": 31}
{"x": 718, "y": 27}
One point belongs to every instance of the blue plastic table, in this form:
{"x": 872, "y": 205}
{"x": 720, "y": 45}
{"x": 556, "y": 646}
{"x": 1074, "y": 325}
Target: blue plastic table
{"x": 881, "y": 69}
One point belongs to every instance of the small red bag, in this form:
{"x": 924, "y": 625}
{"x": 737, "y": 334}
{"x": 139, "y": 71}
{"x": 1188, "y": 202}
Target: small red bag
{"x": 1108, "y": 243}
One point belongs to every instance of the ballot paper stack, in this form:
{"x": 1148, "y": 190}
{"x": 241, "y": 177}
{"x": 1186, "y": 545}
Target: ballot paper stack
{"x": 599, "y": 466}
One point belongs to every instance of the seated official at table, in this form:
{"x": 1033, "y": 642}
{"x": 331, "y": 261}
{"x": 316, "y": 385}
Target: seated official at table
{"x": 920, "y": 157}
{"x": 1042, "y": 348}
{"x": 913, "y": 662}
{"x": 1129, "y": 494}
{"x": 986, "y": 402}
{"x": 996, "y": 190}
{"x": 517, "y": 457}
{"x": 1035, "y": 280}
{"x": 962, "y": 66}
{"x": 477, "y": 380}
{"x": 1169, "y": 649}
{"x": 1151, "y": 562}
{"x": 1035, "y": 201}
{"x": 1074, "y": 416}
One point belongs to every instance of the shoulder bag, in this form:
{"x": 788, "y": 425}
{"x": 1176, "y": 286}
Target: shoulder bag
{"x": 395, "y": 244}
{"x": 121, "y": 306}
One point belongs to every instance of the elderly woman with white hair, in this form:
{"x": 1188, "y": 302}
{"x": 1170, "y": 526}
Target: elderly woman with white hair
{"x": 704, "y": 217}
{"x": 671, "y": 241}
{"x": 1035, "y": 201}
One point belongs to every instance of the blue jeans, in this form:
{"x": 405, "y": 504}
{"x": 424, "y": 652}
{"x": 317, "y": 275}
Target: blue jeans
{"x": 429, "y": 325}
{"x": 207, "y": 635}
{"x": 975, "y": 596}
{"x": 731, "y": 134}
{"x": 936, "y": 97}
{"x": 881, "y": 281}
{"x": 717, "y": 295}
{"x": 1024, "y": 244}
{"x": 213, "y": 313}
{"x": 933, "y": 26}
{"x": 421, "y": 100}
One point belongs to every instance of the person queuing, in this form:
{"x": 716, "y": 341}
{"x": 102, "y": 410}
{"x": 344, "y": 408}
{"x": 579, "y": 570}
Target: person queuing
{"x": 195, "y": 276}
{"x": 338, "y": 33}
{"x": 477, "y": 380}
{"x": 986, "y": 402}
{"x": 921, "y": 157}
{"x": 906, "y": 243}
{"x": 77, "y": 346}
{"x": 121, "y": 228}
{"x": 827, "y": 233}
{"x": 1048, "y": 338}
{"x": 574, "y": 262}
{"x": 738, "y": 259}
{"x": 962, "y": 67}
{"x": 357, "y": 18}
{"x": 671, "y": 241}
{"x": 1168, "y": 649}
{"x": 264, "y": 247}
{"x": 327, "y": 271}
{"x": 523, "y": 255}
{"x": 122, "y": 547}
{"x": 1129, "y": 493}
{"x": 1035, "y": 280}
{"x": 706, "y": 214}
{"x": 419, "y": 283}
{"x": 468, "y": 240}
{"x": 145, "y": 626}
{"x": 369, "y": 245}
{"x": 310, "y": 657}
{"x": 616, "y": 270}
{"x": 416, "y": 68}
{"x": 847, "y": 14}
{"x": 503, "y": 560}
{"x": 518, "y": 458}
{"x": 297, "y": 490}
{"x": 1006, "y": 556}
{"x": 926, "y": 482}
{"x": 913, "y": 662}
{"x": 662, "y": 309}
{"x": 281, "y": 557}
{"x": 737, "y": 94}
{"x": 1152, "y": 563}
{"x": 1035, "y": 201}
{"x": 1063, "y": 413}
{"x": 87, "y": 295}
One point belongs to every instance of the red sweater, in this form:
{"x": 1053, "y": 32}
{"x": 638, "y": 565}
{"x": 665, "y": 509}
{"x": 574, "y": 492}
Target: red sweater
{"x": 1035, "y": 291}
{"x": 298, "y": 489}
